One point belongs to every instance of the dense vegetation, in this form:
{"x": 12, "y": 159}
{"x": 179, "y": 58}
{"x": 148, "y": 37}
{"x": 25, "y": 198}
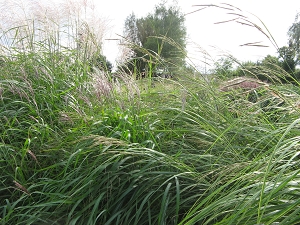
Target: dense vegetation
{"x": 156, "y": 41}
{"x": 79, "y": 145}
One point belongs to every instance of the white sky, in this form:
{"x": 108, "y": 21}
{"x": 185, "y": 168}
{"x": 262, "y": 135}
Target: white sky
{"x": 215, "y": 39}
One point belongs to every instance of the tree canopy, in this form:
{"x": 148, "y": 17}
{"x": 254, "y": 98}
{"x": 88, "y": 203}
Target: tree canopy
{"x": 294, "y": 38}
{"x": 161, "y": 33}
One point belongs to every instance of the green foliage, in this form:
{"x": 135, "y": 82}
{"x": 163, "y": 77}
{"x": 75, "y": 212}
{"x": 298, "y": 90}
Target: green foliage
{"x": 158, "y": 36}
{"x": 269, "y": 69}
{"x": 100, "y": 62}
{"x": 288, "y": 59}
{"x": 271, "y": 62}
{"x": 77, "y": 147}
{"x": 185, "y": 155}
{"x": 246, "y": 69}
{"x": 224, "y": 67}
{"x": 294, "y": 39}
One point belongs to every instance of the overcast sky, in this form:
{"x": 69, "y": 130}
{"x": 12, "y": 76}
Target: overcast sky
{"x": 203, "y": 32}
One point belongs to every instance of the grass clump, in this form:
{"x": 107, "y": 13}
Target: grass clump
{"x": 80, "y": 146}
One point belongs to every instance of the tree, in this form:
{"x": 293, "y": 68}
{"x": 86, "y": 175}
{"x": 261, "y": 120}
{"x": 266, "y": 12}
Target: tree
{"x": 158, "y": 34}
{"x": 100, "y": 62}
{"x": 270, "y": 69}
{"x": 294, "y": 39}
{"x": 224, "y": 67}
{"x": 289, "y": 58}
{"x": 131, "y": 30}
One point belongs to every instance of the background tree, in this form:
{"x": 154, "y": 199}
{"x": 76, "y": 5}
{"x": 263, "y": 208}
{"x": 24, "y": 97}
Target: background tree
{"x": 269, "y": 69}
{"x": 294, "y": 39}
{"x": 131, "y": 33}
{"x": 224, "y": 67}
{"x": 162, "y": 34}
{"x": 288, "y": 57}
{"x": 100, "y": 62}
